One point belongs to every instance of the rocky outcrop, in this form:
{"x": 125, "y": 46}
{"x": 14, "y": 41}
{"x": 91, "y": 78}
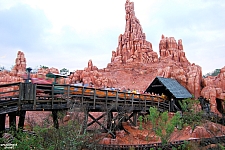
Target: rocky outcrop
{"x": 132, "y": 45}
{"x": 170, "y": 49}
{"x": 91, "y": 74}
{"x": 134, "y": 64}
{"x": 214, "y": 89}
{"x": 20, "y": 65}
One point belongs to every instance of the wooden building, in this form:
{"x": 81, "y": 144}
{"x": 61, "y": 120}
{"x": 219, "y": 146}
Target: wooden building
{"x": 172, "y": 89}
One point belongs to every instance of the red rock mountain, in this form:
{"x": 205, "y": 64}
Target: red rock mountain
{"x": 134, "y": 65}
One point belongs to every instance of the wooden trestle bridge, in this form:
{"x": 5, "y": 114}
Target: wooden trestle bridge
{"x": 17, "y": 98}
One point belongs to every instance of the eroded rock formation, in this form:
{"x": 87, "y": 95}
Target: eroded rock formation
{"x": 214, "y": 90}
{"x": 91, "y": 74}
{"x": 170, "y": 49}
{"x": 132, "y": 45}
{"x": 20, "y": 65}
{"x": 134, "y": 65}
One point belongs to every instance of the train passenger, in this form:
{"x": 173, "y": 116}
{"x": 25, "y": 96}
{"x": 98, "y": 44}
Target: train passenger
{"x": 134, "y": 91}
{"x": 113, "y": 88}
{"x": 137, "y": 92}
{"x": 124, "y": 89}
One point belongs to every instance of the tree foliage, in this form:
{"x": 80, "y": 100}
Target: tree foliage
{"x": 191, "y": 115}
{"x": 44, "y": 67}
{"x": 64, "y": 71}
{"x": 214, "y": 73}
{"x": 2, "y": 68}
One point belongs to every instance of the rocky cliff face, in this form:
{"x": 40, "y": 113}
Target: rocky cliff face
{"x": 132, "y": 45}
{"x": 134, "y": 64}
{"x": 214, "y": 89}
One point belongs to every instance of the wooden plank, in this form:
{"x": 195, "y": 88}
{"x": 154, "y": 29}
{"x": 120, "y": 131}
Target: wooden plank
{"x": 116, "y": 99}
{"x": 145, "y": 102}
{"x": 132, "y": 104}
{"x": 82, "y": 98}
{"x": 94, "y": 98}
{"x": 10, "y": 84}
{"x": 68, "y": 96}
{"x": 8, "y": 109}
{"x": 34, "y": 97}
{"x": 157, "y": 85}
{"x": 106, "y": 99}
{"x": 8, "y": 103}
{"x": 11, "y": 91}
{"x": 109, "y": 120}
{"x": 52, "y": 94}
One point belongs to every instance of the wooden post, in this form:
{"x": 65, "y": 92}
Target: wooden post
{"x": 172, "y": 105}
{"x": 132, "y": 102}
{"x": 106, "y": 100}
{"x": 34, "y": 94}
{"x": 2, "y": 124}
{"x": 68, "y": 97}
{"x": 12, "y": 121}
{"x": 117, "y": 99}
{"x": 109, "y": 120}
{"x": 120, "y": 121}
{"x": 82, "y": 97}
{"x": 86, "y": 114}
{"x": 145, "y": 102}
{"x": 52, "y": 96}
{"x": 135, "y": 118}
{"x": 55, "y": 118}
{"x": 20, "y": 95}
{"x": 21, "y": 119}
{"x": 94, "y": 98}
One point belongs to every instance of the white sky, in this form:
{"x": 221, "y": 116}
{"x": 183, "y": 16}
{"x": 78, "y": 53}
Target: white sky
{"x": 68, "y": 33}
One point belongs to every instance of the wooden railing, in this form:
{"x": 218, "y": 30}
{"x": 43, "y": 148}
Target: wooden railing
{"x": 26, "y": 96}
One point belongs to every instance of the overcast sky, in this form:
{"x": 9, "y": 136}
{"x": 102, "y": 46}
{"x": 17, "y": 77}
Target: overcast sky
{"x": 68, "y": 33}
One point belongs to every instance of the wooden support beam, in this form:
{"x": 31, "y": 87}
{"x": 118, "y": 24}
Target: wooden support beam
{"x": 134, "y": 115}
{"x": 55, "y": 118}
{"x": 2, "y": 124}
{"x": 106, "y": 100}
{"x": 94, "y": 120}
{"x": 135, "y": 118}
{"x": 131, "y": 121}
{"x": 94, "y": 98}
{"x": 86, "y": 114}
{"x": 121, "y": 119}
{"x": 52, "y": 94}
{"x": 105, "y": 128}
{"x": 109, "y": 120}
{"x": 21, "y": 119}
{"x": 12, "y": 121}
{"x": 34, "y": 96}
{"x": 157, "y": 85}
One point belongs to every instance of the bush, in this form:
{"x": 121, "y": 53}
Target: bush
{"x": 69, "y": 136}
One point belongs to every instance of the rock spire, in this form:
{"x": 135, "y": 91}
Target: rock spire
{"x": 132, "y": 45}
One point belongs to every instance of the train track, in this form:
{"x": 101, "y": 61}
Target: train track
{"x": 202, "y": 142}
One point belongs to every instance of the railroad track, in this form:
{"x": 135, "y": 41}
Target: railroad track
{"x": 202, "y": 142}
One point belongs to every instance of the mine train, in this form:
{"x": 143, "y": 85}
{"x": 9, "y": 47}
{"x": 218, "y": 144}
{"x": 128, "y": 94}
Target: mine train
{"x": 86, "y": 90}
